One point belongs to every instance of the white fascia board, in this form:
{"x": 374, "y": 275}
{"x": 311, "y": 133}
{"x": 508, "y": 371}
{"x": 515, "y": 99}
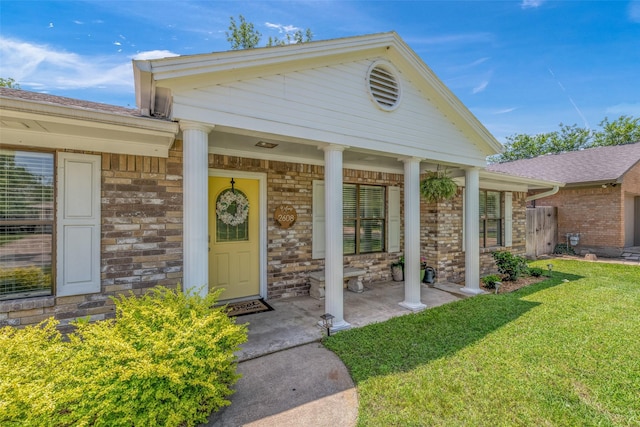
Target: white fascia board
{"x": 84, "y": 143}
{"x": 36, "y": 111}
{"x": 189, "y": 65}
{"x": 436, "y": 86}
{"x": 504, "y": 182}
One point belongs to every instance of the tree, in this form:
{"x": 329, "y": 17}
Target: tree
{"x": 245, "y": 36}
{"x": 623, "y": 130}
{"x": 297, "y": 37}
{"x": 9, "y": 82}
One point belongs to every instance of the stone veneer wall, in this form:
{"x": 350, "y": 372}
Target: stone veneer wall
{"x": 141, "y": 240}
{"x": 289, "y": 251}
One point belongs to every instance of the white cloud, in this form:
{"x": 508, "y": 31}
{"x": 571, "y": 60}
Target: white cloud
{"x": 529, "y": 4}
{"x": 504, "y": 110}
{"x": 154, "y": 54}
{"x": 78, "y": 22}
{"x": 625, "y": 108}
{"x": 43, "y": 68}
{"x": 282, "y": 29}
{"x": 481, "y": 87}
{"x": 50, "y": 24}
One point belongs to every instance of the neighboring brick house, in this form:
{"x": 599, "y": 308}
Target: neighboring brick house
{"x": 600, "y": 201}
{"x": 247, "y": 170}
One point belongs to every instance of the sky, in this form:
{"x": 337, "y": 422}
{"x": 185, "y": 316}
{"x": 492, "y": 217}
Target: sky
{"x": 520, "y": 66}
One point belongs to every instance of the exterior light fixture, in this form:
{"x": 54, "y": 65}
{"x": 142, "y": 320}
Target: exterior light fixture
{"x": 263, "y": 144}
{"x": 327, "y": 322}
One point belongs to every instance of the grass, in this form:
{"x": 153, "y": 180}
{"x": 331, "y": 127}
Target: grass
{"x": 563, "y": 352}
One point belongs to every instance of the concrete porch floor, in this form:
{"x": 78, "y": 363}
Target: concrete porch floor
{"x": 294, "y": 321}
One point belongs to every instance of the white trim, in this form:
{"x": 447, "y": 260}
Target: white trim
{"x": 508, "y": 219}
{"x": 262, "y": 182}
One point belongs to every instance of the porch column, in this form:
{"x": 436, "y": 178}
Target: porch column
{"x": 472, "y": 232}
{"x": 412, "y": 235}
{"x": 333, "y": 263}
{"x": 195, "y": 175}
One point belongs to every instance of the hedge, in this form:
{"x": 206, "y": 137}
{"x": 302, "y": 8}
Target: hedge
{"x": 167, "y": 359}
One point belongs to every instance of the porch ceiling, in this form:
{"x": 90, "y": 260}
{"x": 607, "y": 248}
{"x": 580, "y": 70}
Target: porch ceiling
{"x": 231, "y": 142}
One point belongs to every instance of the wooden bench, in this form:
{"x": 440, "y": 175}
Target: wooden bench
{"x": 352, "y": 281}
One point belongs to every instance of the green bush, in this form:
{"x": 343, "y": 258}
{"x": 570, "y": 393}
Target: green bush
{"x": 536, "y": 271}
{"x": 167, "y": 359}
{"x": 563, "y": 249}
{"x": 490, "y": 281}
{"x": 24, "y": 278}
{"x": 510, "y": 265}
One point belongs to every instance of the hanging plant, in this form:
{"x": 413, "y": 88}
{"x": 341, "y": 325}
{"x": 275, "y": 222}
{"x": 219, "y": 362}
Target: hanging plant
{"x": 438, "y": 186}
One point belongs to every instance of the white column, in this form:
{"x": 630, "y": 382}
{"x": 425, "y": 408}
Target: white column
{"x": 333, "y": 263}
{"x": 472, "y": 232}
{"x": 412, "y": 235}
{"x": 195, "y": 175}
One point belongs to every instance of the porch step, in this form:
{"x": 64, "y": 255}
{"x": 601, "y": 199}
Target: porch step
{"x": 451, "y": 288}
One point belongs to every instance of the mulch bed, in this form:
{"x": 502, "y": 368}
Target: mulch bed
{"x": 513, "y": 286}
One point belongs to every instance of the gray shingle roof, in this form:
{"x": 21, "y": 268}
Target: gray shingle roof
{"x": 592, "y": 165}
{"x": 45, "y": 98}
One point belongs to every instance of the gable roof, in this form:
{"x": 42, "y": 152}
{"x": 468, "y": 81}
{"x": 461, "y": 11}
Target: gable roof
{"x": 45, "y": 98}
{"x": 590, "y": 166}
{"x": 153, "y": 77}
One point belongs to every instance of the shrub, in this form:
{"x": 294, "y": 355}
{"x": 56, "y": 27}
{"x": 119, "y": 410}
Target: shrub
{"x": 167, "y": 359}
{"x": 563, "y": 248}
{"x": 510, "y": 265}
{"x": 536, "y": 271}
{"x": 490, "y": 281}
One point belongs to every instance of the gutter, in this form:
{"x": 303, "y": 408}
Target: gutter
{"x": 551, "y": 192}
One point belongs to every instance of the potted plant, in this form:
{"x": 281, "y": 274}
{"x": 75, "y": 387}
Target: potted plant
{"x": 397, "y": 270}
{"x": 438, "y": 186}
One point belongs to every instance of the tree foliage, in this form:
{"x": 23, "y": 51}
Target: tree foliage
{"x": 623, "y": 130}
{"x": 9, "y": 82}
{"x": 243, "y": 35}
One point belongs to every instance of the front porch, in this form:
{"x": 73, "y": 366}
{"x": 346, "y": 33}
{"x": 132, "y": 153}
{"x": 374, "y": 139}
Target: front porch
{"x": 294, "y": 321}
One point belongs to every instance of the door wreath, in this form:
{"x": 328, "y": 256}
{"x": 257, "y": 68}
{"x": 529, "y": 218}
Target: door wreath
{"x": 225, "y": 208}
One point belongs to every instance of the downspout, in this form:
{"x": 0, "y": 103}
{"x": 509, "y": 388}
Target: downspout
{"x": 551, "y": 192}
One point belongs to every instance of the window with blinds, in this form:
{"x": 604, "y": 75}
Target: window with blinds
{"x": 363, "y": 218}
{"x": 26, "y": 224}
{"x": 490, "y": 218}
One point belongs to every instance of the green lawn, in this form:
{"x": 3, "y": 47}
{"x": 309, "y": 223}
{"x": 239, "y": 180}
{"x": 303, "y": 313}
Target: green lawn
{"x": 564, "y": 352}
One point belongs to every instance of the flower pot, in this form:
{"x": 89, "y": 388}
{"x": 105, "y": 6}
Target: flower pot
{"x": 397, "y": 273}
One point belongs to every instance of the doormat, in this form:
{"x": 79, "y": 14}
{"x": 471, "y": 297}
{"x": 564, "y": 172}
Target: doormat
{"x": 247, "y": 307}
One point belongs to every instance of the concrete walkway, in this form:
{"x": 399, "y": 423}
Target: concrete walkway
{"x": 289, "y": 378}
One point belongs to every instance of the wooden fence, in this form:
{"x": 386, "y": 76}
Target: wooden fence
{"x": 542, "y": 231}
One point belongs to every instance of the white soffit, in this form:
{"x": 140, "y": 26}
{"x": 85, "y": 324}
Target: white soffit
{"x": 34, "y": 124}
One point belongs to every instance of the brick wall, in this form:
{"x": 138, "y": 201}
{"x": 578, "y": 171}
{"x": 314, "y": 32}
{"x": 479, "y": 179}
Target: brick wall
{"x": 596, "y": 213}
{"x": 289, "y": 251}
{"x": 141, "y": 239}
{"x": 441, "y": 237}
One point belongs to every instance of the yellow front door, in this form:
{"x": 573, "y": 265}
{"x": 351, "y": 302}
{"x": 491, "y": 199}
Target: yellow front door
{"x": 234, "y": 256}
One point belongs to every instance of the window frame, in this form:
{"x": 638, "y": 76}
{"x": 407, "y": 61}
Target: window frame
{"x": 359, "y": 220}
{"x": 52, "y": 223}
{"x": 484, "y": 219}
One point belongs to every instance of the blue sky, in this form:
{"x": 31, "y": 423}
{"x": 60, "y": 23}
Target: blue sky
{"x": 521, "y": 66}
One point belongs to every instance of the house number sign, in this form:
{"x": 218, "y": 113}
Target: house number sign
{"x": 285, "y": 215}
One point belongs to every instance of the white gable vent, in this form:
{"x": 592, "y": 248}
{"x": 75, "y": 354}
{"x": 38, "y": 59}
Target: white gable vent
{"x": 384, "y": 86}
